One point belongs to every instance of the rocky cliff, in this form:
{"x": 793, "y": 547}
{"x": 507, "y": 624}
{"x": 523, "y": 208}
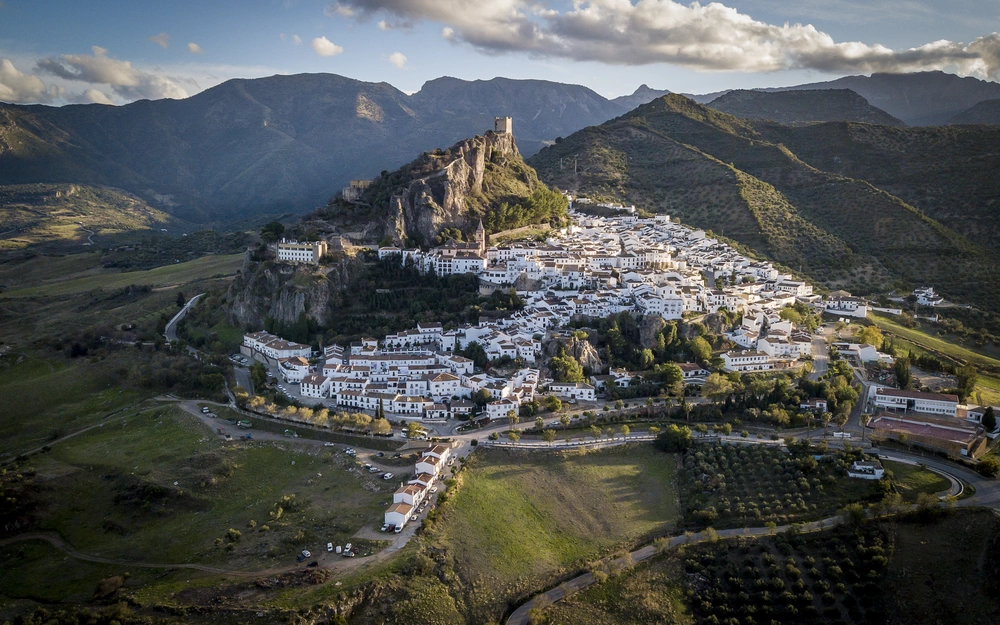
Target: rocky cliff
{"x": 580, "y": 349}
{"x": 450, "y": 188}
{"x": 283, "y": 292}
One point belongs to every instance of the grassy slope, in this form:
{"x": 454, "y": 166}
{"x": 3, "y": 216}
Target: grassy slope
{"x": 218, "y": 487}
{"x": 201, "y": 268}
{"x": 672, "y": 155}
{"x": 520, "y": 519}
{"x": 988, "y": 385}
{"x": 911, "y": 480}
{"x": 62, "y": 214}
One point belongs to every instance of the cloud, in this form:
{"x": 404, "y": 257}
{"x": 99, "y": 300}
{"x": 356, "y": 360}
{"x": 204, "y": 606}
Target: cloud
{"x": 324, "y": 47}
{"x": 194, "y": 48}
{"x": 125, "y": 80}
{"x": 95, "y": 96}
{"x": 295, "y": 39}
{"x": 162, "y": 40}
{"x": 21, "y": 88}
{"x": 711, "y": 37}
{"x": 398, "y": 59}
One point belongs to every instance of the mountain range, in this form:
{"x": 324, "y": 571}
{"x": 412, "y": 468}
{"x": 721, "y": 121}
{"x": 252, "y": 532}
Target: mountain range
{"x": 289, "y": 143}
{"x": 851, "y": 205}
{"x": 277, "y": 144}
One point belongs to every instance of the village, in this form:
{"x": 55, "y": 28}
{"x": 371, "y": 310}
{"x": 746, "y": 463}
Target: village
{"x": 597, "y": 267}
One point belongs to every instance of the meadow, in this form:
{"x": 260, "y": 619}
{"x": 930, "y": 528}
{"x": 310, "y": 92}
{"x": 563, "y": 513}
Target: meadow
{"x": 521, "y": 520}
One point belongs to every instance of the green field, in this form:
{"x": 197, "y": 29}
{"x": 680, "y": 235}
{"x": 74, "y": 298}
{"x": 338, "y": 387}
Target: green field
{"x": 157, "y": 486}
{"x": 169, "y": 275}
{"x": 911, "y": 480}
{"x": 46, "y": 399}
{"x": 522, "y": 519}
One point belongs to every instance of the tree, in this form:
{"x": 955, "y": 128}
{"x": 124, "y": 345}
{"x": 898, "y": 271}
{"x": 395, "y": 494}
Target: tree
{"x": 258, "y": 376}
{"x": 653, "y": 430}
{"x": 989, "y": 419}
{"x": 840, "y": 418}
{"x": 181, "y": 300}
{"x": 902, "y": 370}
{"x": 272, "y": 232}
{"x": 539, "y": 423}
{"x": 700, "y": 349}
{"x": 626, "y": 430}
{"x": 553, "y": 403}
{"x": 871, "y": 335}
{"x": 413, "y": 429}
{"x": 565, "y": 368}
{"x": 549, "y": 436}
{"x": 595, "y": 432}
{"x": 609, "y": 431}
{"x": 865, "y": 419}
{"x": 671, "y": 376}
{"x": 381, "y": 426}
{"x": 513, "y": 436}
{"x": 989, "y": 467}
{"x": 564, "y": 420}
{"x": 717, "y": 387}
{"x": 512, "y": 418}
{"x": 967, "y": 378}
{"x": 674, "y": 439}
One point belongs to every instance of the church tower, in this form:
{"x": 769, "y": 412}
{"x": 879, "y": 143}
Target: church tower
{"x": 481, "y": 238}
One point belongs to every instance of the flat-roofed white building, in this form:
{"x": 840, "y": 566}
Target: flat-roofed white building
{"x": 305, "y": 252}
{"x": 898, "y": 400}
{"x": 747, "y": 361}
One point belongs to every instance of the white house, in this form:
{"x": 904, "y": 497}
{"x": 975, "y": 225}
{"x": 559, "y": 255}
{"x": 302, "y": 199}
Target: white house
{"x": 410, "y": 494}
{"x": 499, "y": 409}
{"x": 429, "y": 464}
{"x": 293, "y": 369}
{"x": 398, "y": 514}
{"x": 573, "y": 390}
{"x": 315, "y": 386}
{"x": 747, "y": 361}
{"x": 295, "y": 252}
{"x": 866, "y": 470}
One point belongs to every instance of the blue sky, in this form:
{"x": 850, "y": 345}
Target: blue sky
{"x": 58, "y": 51}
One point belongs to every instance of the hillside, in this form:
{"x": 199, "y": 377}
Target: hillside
{"x": 640, "y": 96}
{"x": 277, "y": 144}
{"x": 733, "y": 176}
{"x": 985, "y": 112}
{"x": 800, "y": 107}
{"x": 66, "y": 217}
{"x": 919, "y": 99}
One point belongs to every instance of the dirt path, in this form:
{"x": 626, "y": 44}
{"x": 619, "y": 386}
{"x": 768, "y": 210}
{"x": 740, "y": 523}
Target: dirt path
{"x": 520, "y": 616}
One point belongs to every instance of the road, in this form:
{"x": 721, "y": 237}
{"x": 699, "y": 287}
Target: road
{"x": 243, "y": 378}
{"x": 821, "y": 357}
{"x": 171, "y": 330}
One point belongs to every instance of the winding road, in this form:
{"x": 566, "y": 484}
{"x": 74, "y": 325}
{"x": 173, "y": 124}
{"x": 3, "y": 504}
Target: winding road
{"x": 170, "y": 332}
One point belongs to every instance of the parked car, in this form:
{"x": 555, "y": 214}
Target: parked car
{"x": 385, "y": 527}
{"x": 338, "y": 549}
{"x": 300, "y": 557}
{"x": 388, "y": 476}
{"x": 329, "y": 547}
{"x": 390, "y": 528}
{"x": 306, "y": 554}
{"x": 348, "y": 554}
{"x": 398, "y": 529}
{"x": 347, "y": 547}
{"x": 328, "y": 444}
{"x": 380, "y": 455}
{"x": 373, "y": 469}
{"x": 434, "y": 489}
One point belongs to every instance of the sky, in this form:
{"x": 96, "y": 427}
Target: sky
{"x": 114, "y": 52}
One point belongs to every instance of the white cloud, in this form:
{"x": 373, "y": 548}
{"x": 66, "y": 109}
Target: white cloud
{"x": 21, "y": 88}
{"x": 95, "y": 96}
{"x": 194, "y": 48}
{"x": 383, "y": 25}
{"x": 324, "y": 47}
{"x": 125, "y": 80}
{"x": 295, "y": 39}
{"x": 162, "y": 40}
{"x": 398, "y": 59}
{"x": 704, "y": 37}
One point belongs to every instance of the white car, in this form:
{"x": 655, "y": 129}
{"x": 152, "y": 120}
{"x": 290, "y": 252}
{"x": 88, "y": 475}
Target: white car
{"x": 347, "y": 547}
{"x": 306, "y": 554}
{"x": 329, "y": 546}
{"x": 388, "y": 476}
{"x": 328, "y": 445}
{"x": 434, "y": 489}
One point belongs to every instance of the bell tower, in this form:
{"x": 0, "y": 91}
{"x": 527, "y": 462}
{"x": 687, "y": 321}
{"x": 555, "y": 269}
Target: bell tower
{"x": 481, "y": 238}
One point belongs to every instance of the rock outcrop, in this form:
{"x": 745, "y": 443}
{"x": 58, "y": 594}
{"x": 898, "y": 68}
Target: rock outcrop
{"x": 580, "y": 349}
{"x": 282, "y": 292}
{"x": 451, "y": 195}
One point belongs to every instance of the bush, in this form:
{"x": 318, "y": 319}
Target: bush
{"x": 989, "y": 467}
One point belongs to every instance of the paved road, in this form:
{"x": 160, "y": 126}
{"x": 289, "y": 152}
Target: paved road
{"x": 821, "y": 358}
{"x": 171, "y": 330}
{"x": 243, "y": 378}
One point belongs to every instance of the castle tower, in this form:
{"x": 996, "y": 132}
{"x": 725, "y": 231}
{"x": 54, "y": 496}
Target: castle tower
{"x": 503, "y": 124}
{"x": 481, "y": 236}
